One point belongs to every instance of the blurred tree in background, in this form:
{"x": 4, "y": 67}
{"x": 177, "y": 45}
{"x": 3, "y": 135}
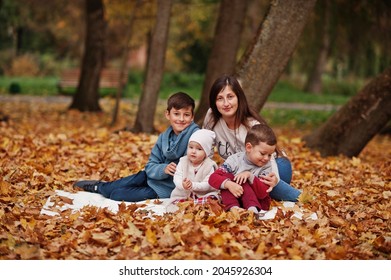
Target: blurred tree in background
{"x": 86, "y": 97}
{"x": 51, "y": 34}
{"x": 358, "y": 40}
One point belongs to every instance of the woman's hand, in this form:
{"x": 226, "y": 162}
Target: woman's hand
{"x": 242, "y": 177}
{"x": 170, "y": 168}
{"x": 269, "y": 179}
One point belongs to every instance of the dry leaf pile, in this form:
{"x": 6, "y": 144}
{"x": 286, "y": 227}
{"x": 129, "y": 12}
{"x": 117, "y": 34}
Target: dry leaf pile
{"x": 44, "y": 148}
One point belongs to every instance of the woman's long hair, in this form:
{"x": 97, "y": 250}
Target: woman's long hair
{"x": 244, "y": 112}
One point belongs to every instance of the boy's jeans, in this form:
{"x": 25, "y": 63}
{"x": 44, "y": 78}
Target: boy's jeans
{"x": 132, "y": 188}
{"x": 283, "y": 190}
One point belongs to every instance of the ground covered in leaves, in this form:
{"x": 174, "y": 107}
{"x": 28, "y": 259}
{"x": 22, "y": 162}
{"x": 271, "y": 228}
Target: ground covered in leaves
{"x": 44, "y": 147}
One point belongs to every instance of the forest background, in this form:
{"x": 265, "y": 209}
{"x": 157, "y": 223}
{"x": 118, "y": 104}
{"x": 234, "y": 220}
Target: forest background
{"x": 45, "y": 146}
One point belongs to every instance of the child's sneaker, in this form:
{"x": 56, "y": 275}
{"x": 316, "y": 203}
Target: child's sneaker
{"x": 88, "y": 185}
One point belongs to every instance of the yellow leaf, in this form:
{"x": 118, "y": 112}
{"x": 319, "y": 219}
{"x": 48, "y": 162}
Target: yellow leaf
{"x": 296, "y": 140}
{"x": 218, "y": 240}
{"x": 153, "y": 139}
{"x": 136, "y": 248}
{"x": 261, "y": 248}
{"x": 102, "y": 133}
{"x": 4, "y": 187}
{"x": 151, "y": 236}
{"x": 74, "y": 216}
{"x": 23, "y": 223}
{"x": 124, "y": 173}
{"x": 308, "y": 176}
{"x": 305, "y": 197}
{"x": 355, "y": 161}
{"x": 294, "y": 253}
{"x": 387, "y": 194}
{"x": 5, "y": 142}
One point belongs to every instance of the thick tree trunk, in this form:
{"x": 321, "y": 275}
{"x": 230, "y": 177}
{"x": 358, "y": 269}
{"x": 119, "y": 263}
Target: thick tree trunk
{"x": 86, "y": 97}
{"x": 155, "y": 68}
{"x": 314, "y": 82}
{"x": 355, "y": 124}
{"x": 223, "y": 56}
{"x": 277, "y": 37}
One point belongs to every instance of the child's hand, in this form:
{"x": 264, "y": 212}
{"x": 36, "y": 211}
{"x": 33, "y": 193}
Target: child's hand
{"x": 170, "y": 168}
{"x": 269, "y": 179}
{"x": 234, "y": 188}
{"x": 242, "y": 177}
{"x": 187, "y": 184}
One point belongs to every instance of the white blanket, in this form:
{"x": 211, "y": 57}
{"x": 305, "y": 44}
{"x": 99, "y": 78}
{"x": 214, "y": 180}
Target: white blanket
{"x": 77, "y": 201}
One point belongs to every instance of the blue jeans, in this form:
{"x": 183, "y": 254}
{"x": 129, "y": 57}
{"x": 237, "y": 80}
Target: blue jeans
{"x": 132, "y": 188}
{"x": 283, "y": 190}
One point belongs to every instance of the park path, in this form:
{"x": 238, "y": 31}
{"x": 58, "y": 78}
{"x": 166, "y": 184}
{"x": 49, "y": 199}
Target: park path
{"x": 68, "y": 99}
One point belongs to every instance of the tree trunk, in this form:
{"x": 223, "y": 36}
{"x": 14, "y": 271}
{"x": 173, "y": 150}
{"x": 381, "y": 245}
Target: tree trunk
{"x": 222, "y": 59}
{"x": 155, "y": 68}
{"x": 124, "y": 64}
{"x": 355, "y": 124}
{"x": 86, "y": 97}
{"x": 277, "y": 37}
{"x": 314, "y": 82}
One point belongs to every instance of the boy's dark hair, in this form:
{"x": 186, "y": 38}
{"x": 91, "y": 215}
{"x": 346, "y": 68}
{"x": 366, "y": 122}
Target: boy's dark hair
{"x": 179, "y": 101}
{"x": 261, "y": 133}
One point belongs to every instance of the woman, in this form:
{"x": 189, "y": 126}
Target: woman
{"x": 230, "y": 117}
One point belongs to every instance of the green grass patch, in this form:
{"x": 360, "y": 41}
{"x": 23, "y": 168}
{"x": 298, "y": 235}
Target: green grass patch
{"x": 41, "y": 86}
{"x": 343, "y": 88}
{"x": 44, "y": 86}
{"x": 171, "y": 83}
{"x": 295, "y": 118}
{"x": 188, "y": 83}
{"x": 286, "y": 92}
{"x": 335, "y": 93}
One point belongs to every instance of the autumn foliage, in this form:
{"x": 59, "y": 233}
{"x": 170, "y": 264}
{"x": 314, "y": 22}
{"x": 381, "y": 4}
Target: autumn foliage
{"x": 44, "y": 147}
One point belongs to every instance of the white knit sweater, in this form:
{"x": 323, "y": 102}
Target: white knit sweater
{"x": 199, "y": 179}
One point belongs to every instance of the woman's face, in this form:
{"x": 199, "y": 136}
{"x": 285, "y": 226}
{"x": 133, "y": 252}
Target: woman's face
{"x": 227, "y": 103}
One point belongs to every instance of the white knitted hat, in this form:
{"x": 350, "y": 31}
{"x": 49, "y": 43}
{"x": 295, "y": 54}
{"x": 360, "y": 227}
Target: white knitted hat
{"x": 205, "y": 138}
